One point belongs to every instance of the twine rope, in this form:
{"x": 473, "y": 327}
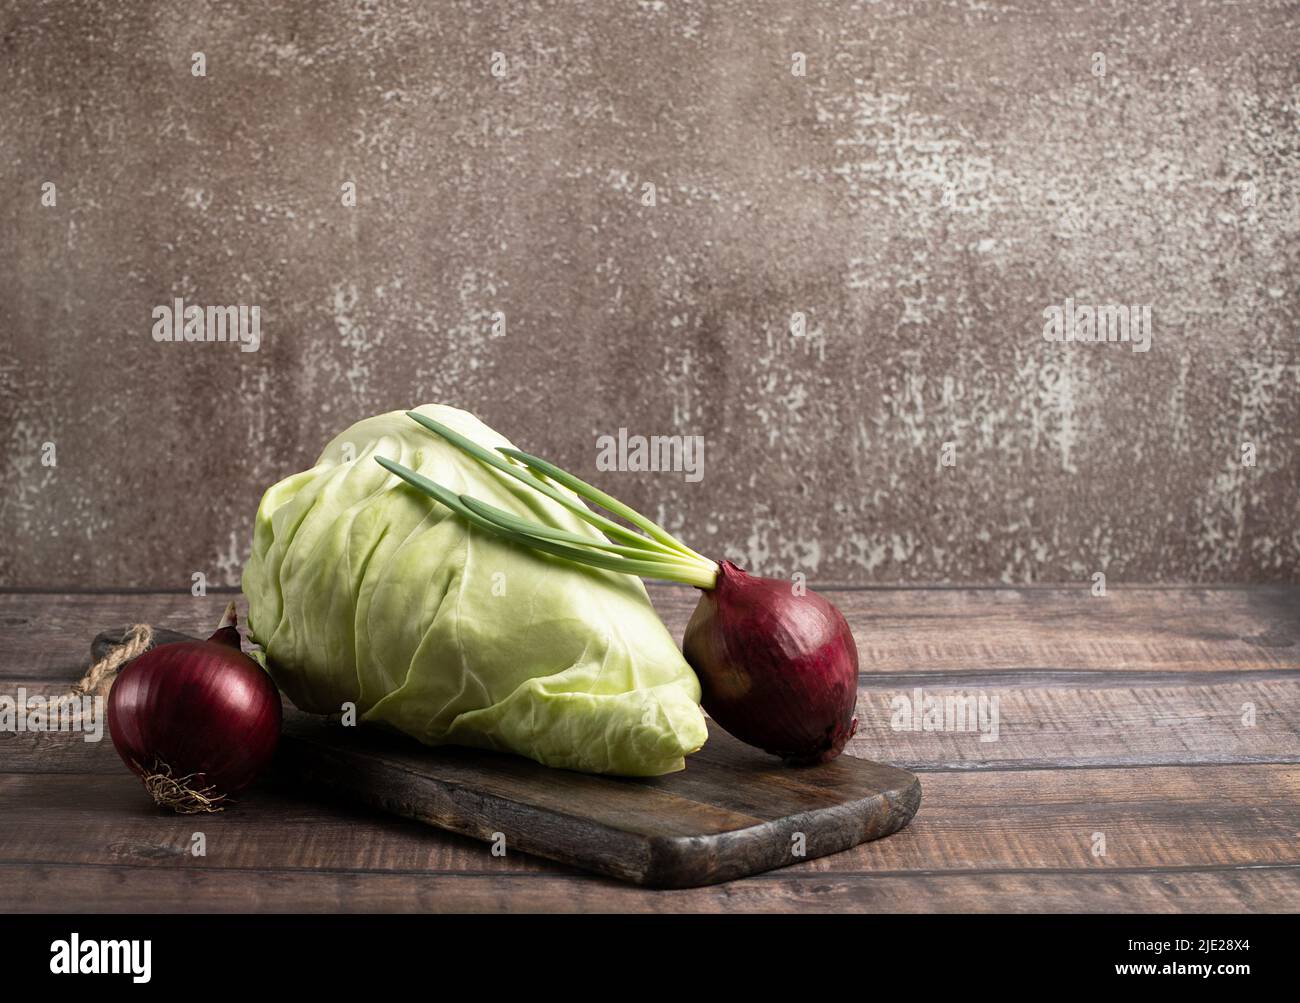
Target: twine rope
{"x": 99, "y": 677}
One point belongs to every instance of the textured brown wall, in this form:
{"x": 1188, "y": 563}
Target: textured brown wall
{"x": 776, "y": 193}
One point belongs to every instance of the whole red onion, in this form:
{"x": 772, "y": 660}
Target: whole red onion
{"x": 777, "y": 670}
{"x": 196, "y": 720}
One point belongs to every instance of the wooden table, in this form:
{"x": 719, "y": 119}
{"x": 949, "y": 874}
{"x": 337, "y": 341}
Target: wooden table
{"x": 1159, "y": 725}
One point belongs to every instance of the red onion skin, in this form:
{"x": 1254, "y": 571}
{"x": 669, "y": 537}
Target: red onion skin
{"x": 777, "y": 670}
{"x": 196, "y": 707}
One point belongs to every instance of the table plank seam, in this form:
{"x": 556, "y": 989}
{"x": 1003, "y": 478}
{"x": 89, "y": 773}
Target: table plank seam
{"x": 777, "y": 875}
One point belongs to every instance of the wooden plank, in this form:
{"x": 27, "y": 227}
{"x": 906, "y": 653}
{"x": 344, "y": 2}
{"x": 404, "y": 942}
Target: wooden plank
{"x": 1099, "y": 720}
{"x": 1044, "y": 720}
{"x": 46, "y": 636}
{"x": 1167, "y": 817}
{"x": 53, "y": 887}
{"x": 1178, "y": 817}
{"x": 1192, "y": 629}
{"x": 53, "y": 752}
{"x": 89, "y": 818}
{"x": 734, "y": 812}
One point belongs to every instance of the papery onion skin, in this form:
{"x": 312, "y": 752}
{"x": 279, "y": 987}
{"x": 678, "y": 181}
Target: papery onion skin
{"x": 777, "y": 670}
{"x": 196, "y": 709}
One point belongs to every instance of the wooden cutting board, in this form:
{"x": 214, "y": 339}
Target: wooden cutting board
{"x": 732, "y": 812}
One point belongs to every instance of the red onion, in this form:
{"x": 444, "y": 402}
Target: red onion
{"x": 196, "y": 720}
{"x": 777, "y": 670}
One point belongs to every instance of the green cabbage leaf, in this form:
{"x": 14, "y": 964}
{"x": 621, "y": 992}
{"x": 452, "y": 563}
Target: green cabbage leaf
{"x": 363, "y": 590}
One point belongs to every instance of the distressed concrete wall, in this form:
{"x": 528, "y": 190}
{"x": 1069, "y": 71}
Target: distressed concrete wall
{"x": 942, "y": 174}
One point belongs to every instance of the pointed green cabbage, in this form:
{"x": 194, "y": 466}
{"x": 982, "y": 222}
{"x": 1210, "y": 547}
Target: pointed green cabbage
{"x": 361, "y": 589}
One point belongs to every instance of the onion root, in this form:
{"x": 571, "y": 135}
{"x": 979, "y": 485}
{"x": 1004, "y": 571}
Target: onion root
{"x": 179, "y": 793}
